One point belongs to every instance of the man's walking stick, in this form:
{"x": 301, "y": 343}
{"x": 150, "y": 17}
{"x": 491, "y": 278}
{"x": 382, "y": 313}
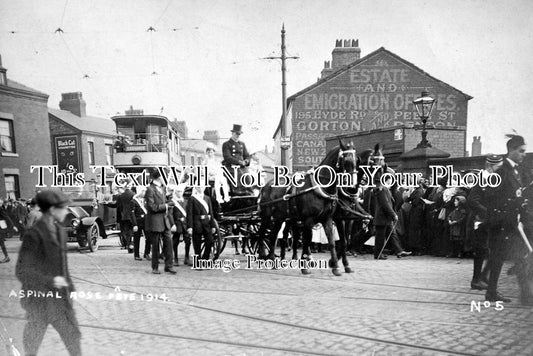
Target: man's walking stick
{"x": 387, "y": 239}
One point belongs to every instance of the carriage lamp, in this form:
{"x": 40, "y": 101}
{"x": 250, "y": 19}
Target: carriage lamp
{"x": 75, "y": 223}
{"x": 424, "y": 106}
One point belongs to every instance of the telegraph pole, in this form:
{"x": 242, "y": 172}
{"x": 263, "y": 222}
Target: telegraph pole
{"x": 284, "y": 140}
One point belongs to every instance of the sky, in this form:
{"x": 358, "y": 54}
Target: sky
{"x": 204, "y": 63}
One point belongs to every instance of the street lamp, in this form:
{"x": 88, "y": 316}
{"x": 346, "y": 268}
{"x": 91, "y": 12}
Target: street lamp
{"x": 424, "y": 106}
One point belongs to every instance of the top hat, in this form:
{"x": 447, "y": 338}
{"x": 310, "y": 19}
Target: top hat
{"x": 237, "y": 128}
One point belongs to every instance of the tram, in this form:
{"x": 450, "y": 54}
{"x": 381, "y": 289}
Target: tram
{"x": 145, "y": 141}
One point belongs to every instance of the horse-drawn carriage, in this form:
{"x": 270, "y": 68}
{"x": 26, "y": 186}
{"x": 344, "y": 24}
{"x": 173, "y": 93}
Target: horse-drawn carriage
{"x": 257, "y": 220}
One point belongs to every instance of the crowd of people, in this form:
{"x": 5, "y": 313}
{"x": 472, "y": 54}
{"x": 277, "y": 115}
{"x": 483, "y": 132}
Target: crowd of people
{"x": 16, "y": 215}
{"x": 491, "y": 224}
{"x": 488, "y": 224}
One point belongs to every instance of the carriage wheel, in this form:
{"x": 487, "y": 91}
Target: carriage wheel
{"x": 217, "y": 242}
{"x": 253, "y": 241}
{"x": 92, "y": 237}
{"x": 224, "y": 231}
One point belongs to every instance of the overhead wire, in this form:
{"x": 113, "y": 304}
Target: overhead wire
{"x": 64, "y": 11}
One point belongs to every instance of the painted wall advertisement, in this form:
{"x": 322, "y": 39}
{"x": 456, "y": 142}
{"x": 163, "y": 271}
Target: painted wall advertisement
{"x": 376, "y": 93}
{"x": 67, "y": 154}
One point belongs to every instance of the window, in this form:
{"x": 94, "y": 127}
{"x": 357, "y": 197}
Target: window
{"x": 91, "y": 153}
{"x": 183, "y": 163}
{"x": 7, "y": 137}
{"x": 12, "y": 186}
{"x": 154, "y": 132}
{"x": 109, "y": 155}
{"x": 126, "y": 130}
{"x": 192, "y": 160}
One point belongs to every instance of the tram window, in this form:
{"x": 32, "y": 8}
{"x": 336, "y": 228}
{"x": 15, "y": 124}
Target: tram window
{"x": 126, "y": 130}
{"x": 154, "y": 131}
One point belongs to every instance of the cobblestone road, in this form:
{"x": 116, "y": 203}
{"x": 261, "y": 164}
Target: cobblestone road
{"x": 410, "y": 306}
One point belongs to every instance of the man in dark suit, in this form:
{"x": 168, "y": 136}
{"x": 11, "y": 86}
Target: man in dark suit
{"x": 200, "y": 222}
{"x": 126, "y": 216}
{"x": 179, "y": 229}
{"x": 478, "y": 203}
{"x": 42, "y": 268}
{"x": 235, "y": 154}
{"x": 384, "y": 215}
{"x": 505, "y": 200}
{"x": 156, "y": 223}
{"x": 5, "y": 225}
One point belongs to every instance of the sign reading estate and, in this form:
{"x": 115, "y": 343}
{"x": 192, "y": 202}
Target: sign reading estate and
{"x": 377, "y": 92}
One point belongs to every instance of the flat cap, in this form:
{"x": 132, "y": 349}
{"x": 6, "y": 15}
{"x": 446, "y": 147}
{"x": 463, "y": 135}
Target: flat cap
{"x": 48, "y": 198}
{"x": 493, "y": 159}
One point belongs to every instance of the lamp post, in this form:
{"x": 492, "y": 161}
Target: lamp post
{"x": 424, "y": 106}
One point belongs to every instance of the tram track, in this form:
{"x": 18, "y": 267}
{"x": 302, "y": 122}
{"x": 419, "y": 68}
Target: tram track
{"x": 193, "y": 289}
{"x": 337, "y": 280}
{"x": 325, "y": 331}
{"x": 188, "y": 338}
{"x": 269, "y": 321}
{"x": 277, "y": 322}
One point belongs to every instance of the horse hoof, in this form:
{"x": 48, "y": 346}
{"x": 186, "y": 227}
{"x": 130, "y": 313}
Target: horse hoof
{"x": 336, "y": 272}
{"x": 331, "y": 263}
{"x": 348, "y": 270}
{"x": 305, "y": 271}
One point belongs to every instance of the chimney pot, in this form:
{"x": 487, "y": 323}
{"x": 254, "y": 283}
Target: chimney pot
{"x": 74, "y": 103}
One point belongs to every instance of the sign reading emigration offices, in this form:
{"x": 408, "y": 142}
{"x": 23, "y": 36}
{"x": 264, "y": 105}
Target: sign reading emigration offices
{"x": 377, "y": 92}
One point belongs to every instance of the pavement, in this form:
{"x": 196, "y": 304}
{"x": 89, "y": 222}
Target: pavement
{"x": 409, "y": 306}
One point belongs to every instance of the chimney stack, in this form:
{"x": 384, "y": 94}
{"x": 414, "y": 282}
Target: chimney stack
{"x": 327, "y": 69}
{"x": 476, "y": 146}
{"x": 212, "y": 136}
{"x": 345, "y": 52}
{"x": 3, "y": 75}
{"x": 74, "y": 103}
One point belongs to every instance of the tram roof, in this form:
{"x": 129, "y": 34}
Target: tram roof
{"x": 121, "y": 117}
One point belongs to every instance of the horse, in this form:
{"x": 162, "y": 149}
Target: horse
{"x": 310, "y": 203}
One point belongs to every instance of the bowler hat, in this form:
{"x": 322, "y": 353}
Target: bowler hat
{"x": 237, "y": 128}
{"x": 49, "y": 198}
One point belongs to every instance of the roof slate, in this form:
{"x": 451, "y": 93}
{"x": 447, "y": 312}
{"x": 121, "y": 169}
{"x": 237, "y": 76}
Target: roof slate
{"x": 87, "y": 123}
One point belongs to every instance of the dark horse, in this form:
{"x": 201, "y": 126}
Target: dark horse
{"x": 312, "y": 203}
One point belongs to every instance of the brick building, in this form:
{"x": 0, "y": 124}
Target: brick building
{"x": 399, "y": 139}
{"x": 24, "y": 136}
{"x": 78, "y": 140}
{"x": 375, "y": 92}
